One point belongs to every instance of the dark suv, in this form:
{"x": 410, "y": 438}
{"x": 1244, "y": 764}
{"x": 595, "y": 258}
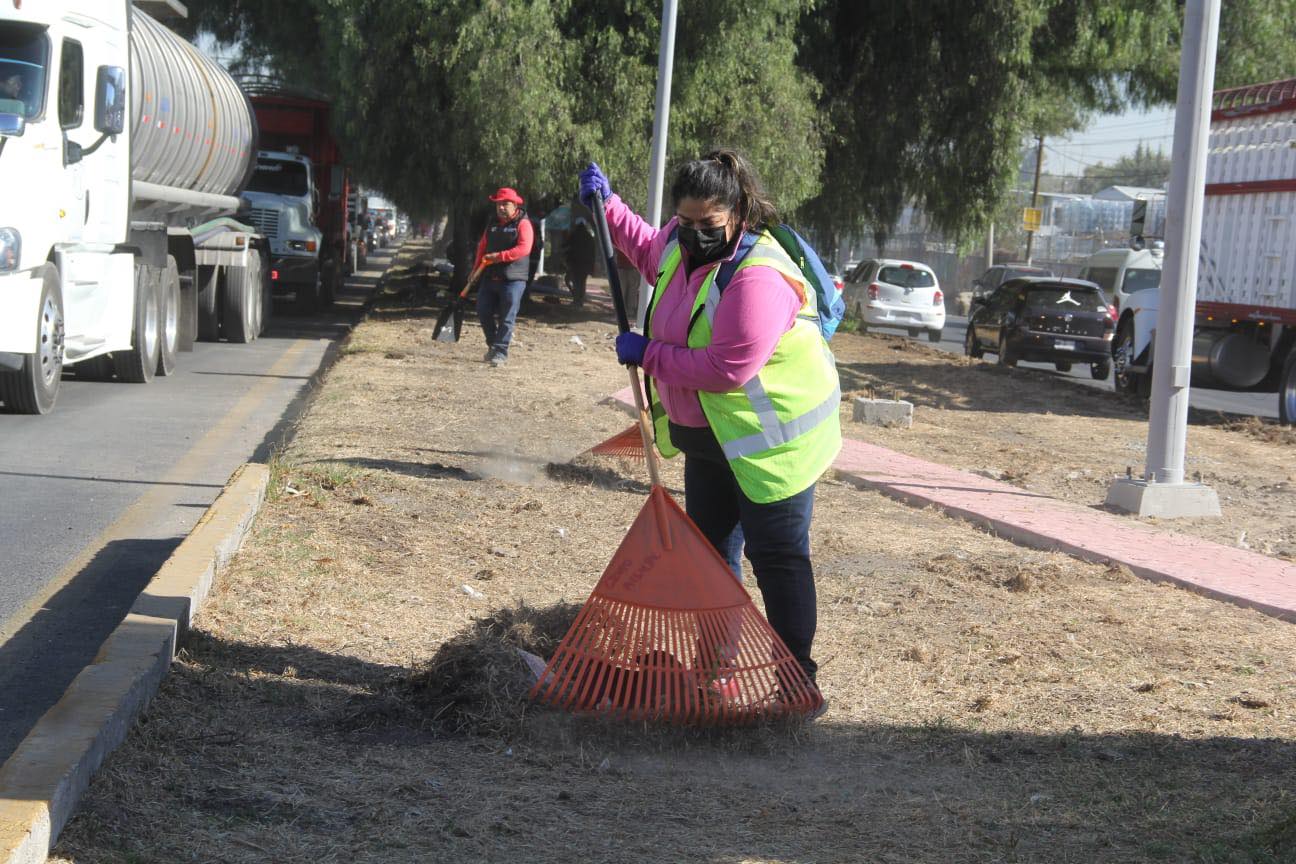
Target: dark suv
{"x": 1058, "y": 321}
{"x": 992, "y": 278}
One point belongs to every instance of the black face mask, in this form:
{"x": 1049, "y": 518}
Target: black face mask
{"x": 704, "y": 245}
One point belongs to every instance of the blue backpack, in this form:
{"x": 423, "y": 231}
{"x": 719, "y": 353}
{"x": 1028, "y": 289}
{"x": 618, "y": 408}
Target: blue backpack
{"x": 828, "y": 298}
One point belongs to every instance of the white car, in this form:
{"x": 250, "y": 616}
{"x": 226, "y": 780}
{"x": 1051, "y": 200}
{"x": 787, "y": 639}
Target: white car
{"x": 887, "y": 292}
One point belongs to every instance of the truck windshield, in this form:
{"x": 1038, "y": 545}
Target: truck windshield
{"x": 24, "y": 57}
{"x": 280, "y": 178}
{"x": 1137, "y": 280}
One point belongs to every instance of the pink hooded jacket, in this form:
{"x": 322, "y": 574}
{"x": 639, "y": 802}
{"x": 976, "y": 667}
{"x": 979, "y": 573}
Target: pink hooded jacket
{"x": 758, "y": 306}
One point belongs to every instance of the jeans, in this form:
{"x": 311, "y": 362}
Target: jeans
{"x": 497, "y": 309}
{"x": 776, "y": 537}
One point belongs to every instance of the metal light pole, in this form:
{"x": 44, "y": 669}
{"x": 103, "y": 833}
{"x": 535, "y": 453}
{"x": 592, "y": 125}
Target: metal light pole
{"x": 661, "y": 122}
{"x": 1162, "y": 491}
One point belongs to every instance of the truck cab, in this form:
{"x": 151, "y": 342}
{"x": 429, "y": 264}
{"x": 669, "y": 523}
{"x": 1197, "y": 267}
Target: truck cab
{"x": 280, "y": 200}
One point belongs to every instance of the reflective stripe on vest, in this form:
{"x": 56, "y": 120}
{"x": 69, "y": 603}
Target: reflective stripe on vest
{"x": 782, "y": 457}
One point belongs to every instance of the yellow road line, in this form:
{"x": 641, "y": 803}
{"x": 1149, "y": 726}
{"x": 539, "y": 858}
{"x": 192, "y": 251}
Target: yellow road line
{"x": 143, "y": 512}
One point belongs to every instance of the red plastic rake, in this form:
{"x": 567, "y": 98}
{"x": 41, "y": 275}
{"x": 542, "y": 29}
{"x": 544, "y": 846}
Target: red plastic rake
{"x": 627, "y": 445}
{"x": 668, "y": 634}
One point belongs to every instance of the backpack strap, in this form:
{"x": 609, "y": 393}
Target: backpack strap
{"x": 726, "y": 271}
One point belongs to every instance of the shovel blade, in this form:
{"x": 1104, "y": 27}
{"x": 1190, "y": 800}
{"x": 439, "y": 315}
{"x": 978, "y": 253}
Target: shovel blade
{"x": 442, "y": 333}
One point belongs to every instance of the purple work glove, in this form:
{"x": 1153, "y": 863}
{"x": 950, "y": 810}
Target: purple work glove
{"x": 630, "y": 348}
{"x": 592, "y": 181}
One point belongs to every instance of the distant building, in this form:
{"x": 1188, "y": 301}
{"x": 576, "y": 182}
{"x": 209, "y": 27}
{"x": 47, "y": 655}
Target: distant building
{"x": 1127, "y": 193}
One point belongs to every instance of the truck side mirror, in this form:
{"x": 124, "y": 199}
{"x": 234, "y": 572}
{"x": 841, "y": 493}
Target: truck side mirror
{"x": 110, "y": 100}
{"x": 12, "y": 125}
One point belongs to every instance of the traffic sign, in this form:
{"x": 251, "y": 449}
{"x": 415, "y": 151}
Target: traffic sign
{"x": 1031, "y": 218}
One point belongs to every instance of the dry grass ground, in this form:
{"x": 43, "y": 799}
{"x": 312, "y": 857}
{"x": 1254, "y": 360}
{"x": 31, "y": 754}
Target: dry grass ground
{"x": 988, "y": 703}
{"x": 1067, "y": 440}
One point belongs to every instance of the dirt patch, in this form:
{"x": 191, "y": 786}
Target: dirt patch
{"x": 987, "y": 702}
{"x": 1068, "y": 441}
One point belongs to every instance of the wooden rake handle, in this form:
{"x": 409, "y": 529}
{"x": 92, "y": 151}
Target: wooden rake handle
{"x": 623, "y": 325}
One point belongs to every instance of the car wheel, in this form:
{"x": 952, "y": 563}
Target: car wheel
{"x": 1122, "y": 356}
{"x": 971, "y": 346}
{"x": 915, "y": 332}
{"x": 1006, "y": 357}
{"x": 1062, "y": 365}
{"x": 1100, "y": 370}
{"x": 933, "y": 335}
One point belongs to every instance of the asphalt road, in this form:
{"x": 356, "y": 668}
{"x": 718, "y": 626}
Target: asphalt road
{"x": 1245, "y": 404}
{"x": 96, "y": 495}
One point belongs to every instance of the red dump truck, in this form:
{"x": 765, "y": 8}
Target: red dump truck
{"x": 298, "y": 122}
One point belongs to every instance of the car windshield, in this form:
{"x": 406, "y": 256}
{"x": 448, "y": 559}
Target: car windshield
{"x": 1137, "y": 280}
{"x": 1065, "y": 298}
{"x": 24, "y": 56}
{"x": 275, "y": 177}
{"x": 906, "y": 277}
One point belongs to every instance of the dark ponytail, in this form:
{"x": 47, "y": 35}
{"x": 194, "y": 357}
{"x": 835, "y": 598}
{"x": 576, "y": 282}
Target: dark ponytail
{"x": 725, "y": 177}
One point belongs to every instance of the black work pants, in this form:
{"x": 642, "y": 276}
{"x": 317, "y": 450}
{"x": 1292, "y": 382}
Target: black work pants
{"x": 776, "y": 537}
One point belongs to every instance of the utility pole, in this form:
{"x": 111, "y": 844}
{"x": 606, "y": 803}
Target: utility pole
{"x": 990, "y": 245}
{"x": 1162, "y": 490}
{"x": 1039, "y": 164}
{"x": 661, "y": 122}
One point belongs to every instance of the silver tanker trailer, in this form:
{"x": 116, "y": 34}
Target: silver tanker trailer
{"x": 123, "y": 150}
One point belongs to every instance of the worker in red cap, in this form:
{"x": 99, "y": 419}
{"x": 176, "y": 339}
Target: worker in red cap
{"x": 505, "y": 249}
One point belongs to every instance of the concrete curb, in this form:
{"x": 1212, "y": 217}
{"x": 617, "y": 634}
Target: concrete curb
{"x": 45, "y": 777}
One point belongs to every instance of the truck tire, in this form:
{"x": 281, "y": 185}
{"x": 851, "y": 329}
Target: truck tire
{"x": 33, "y": 389}
{"x": 267, "y": 300}
{"x": 242, "y": 300}
{"x": 169, "y": 318}
{"x": 208, "y": 304}
{"x": 138, "y": 364}
{"x": 1287, "y": 391}
{"x": 1123, "y": 356}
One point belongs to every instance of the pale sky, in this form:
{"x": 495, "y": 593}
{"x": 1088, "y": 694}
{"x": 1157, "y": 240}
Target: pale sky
{"x": 1107, "y": 139}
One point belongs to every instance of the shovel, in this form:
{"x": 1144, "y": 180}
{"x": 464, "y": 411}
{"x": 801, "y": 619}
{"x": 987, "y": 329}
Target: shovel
{"x": 454, "y": 309}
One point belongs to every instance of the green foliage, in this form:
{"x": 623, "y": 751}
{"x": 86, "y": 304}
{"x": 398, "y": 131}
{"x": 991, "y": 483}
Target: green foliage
{"x": 930, "y": 102}
{"x": 850, "y": 109}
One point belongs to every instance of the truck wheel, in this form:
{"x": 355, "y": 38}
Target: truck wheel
{"x": 208, "y": 304}
{"x": 267, "y": 300}
{"x": 1287, "y": 391}
{"x": 242, "y": 300}
{"x": 138, "y": 365}
{"x": 1122, "y": 356}
{"x": 34, "y": 388}
{"x": 169, "y": 318}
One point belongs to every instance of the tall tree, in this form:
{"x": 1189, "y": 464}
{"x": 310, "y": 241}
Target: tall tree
{"x": 930, "y": 102}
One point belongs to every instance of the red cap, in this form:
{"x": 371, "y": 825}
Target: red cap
{"x": 507, "y": 193}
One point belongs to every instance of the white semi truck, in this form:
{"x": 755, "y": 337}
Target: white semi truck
{"x": 1245, "y": 333}
{"x": 122, "y": 152}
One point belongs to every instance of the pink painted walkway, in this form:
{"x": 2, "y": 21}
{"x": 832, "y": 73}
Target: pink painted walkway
{"x": 1031, "y": 519}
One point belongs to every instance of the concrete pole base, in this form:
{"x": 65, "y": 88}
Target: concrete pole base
{"x": 1162, "y": 500}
